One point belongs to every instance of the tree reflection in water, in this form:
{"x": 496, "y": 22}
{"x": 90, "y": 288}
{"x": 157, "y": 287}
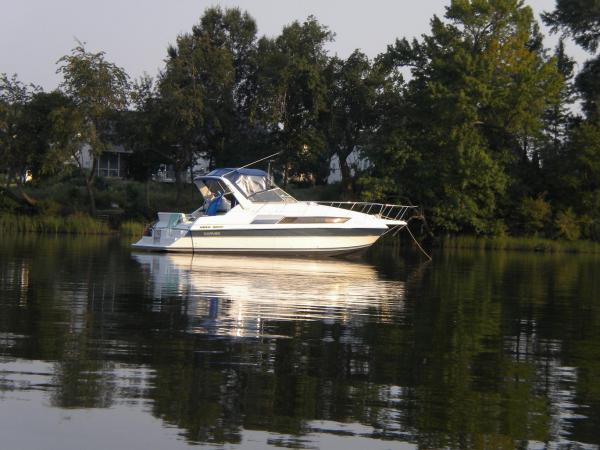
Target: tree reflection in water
{"x": 472, "y": 350}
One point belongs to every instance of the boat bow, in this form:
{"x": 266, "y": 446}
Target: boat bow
{"x": 392, "y": 215}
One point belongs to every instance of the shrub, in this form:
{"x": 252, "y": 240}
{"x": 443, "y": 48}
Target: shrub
{"x": 534, "y": 214}
{"x": 567, "y": 225}
{"x": 131, "y": 228}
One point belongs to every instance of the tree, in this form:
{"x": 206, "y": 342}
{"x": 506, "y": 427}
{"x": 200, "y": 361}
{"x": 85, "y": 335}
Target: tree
{"x": 207, "y": 88}
{"x": 352, "y": 94}
{"x": 293, "y": 92}
{"x": 579, "y": 19}
{"x": 15, "y": 153}
{"x": 577, "y": 167}
{"x": 68, "y": 136}
{"x": 97, "y": 88}
{"x": 37, "y": 133}
{"x": 558, "y": 125}
{"x": 14, "y": 96}
{"x": 474, "y": 107}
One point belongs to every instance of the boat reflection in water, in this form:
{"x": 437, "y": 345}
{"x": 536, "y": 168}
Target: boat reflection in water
{"x": 241, "y": 295}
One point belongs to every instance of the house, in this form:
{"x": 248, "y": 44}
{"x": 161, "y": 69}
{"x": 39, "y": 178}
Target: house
{"x": 166, "y": 173}
{"x": 113, "y": 163}
{"x": 356, "y": 162}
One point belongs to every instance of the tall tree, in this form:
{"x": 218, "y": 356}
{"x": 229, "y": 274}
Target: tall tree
{"x": 37, "y": 132}
{"x": 579, "y": 172}
{"x": 207, "y": 87}
{"x": 14, "y": 97}
{"x": 352, "y": 93}
{"x": 98, "y": 88}
{"x": 294, "y": 92}
{"x": 558, "y": 125}
{"x": 480, "y": 86}
{"x": 579, "y": 19}
{"x": 16, "y": 155}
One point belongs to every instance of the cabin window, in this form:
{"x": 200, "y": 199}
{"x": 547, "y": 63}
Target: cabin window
{"x": 314, "y": 220}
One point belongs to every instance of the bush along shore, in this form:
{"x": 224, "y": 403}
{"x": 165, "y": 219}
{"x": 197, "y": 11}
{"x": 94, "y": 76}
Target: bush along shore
{"x": 124, "y": 207}
{"x": 77, "y": 223}
{"x": 61, "y": 206}
{"x": 127, "y": 206}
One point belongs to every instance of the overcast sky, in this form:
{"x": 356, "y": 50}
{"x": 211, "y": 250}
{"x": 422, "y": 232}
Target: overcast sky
{"x": 34, "y": 34}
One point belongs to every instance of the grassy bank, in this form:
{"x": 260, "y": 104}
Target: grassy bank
{"x": 77, "y": 223}
{"x": 131, "y": 229}
{"x": 520, "y": 244}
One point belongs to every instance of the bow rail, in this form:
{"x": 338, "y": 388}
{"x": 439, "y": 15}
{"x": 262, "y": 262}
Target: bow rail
{"x": 385, "y": 211}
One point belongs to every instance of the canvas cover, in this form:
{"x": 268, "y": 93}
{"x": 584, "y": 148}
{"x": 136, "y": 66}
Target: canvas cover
{"x": 249, "y": 181}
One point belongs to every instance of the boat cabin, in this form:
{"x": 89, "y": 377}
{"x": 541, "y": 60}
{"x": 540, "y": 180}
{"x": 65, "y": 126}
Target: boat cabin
{"x": 223, "y": 189}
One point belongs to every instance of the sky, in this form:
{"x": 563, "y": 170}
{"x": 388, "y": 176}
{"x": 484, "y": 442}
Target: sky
{"x": 135, "y": 34}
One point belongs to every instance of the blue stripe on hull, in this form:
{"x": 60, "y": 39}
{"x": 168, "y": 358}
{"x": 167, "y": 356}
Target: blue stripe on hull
{"x": 289, "y": 232}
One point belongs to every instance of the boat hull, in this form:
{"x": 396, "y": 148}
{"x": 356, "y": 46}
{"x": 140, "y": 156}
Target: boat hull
{"x": 324, "y": 242}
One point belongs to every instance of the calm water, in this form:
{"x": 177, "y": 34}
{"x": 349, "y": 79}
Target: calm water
{"x": 104, "y": 348}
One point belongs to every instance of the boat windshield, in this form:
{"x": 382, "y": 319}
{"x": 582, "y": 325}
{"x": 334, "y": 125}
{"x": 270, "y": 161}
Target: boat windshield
{"x": 274, "y": 194}
{"x": 255, "y": 185}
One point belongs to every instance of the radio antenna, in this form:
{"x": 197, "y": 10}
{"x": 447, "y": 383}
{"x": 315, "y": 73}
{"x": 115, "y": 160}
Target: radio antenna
{"x": 253, "y": 162}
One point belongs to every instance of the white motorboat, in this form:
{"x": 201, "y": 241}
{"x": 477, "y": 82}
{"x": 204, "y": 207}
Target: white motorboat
{"x": 245, "y": 212}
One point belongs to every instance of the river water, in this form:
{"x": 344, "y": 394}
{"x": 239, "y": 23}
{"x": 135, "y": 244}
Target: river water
{"x": 101, "y": 347}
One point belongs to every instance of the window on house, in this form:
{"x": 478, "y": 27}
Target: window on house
{"x": 108, "y": 165}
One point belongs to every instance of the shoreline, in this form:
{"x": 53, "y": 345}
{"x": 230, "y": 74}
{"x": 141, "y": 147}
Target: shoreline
{"x": 83, "y": 224}
{"x": 518, "y": 243}
{"x": 74, "y": 224}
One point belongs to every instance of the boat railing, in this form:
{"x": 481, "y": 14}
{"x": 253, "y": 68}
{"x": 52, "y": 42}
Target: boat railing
{"x": 382, "y": 210}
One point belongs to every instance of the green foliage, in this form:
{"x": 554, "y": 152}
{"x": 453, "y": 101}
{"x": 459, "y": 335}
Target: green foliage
{"x": 97, "y": 86}
{"x": 293, "y": 93}
{"x": 131, "y": 229}
{"x": 98, "y": 89}
{"x": 353, "y": 90}
{"x": 534, "y": 214}
{"x": 482, "y": 134}
{"x": 579, "y": 19}
{"x": 316, "y": 192}
{"x": 15, "y": 154}
{"x": 480, "y": 87}
{"x": 77, "y": 223}
{"x": 567, "y": 225}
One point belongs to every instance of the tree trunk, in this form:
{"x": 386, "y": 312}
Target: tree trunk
{"x": 23, "y": 195}
{"x": 147, "y": 194}
{"x": 178, "y": 184}
{"x": 89, "y": 184}
{"x": 285, "y": 175}
{"x": 22, "y": 198}
{"x": 345, "y": 172}
{"x": 192, "y": 191}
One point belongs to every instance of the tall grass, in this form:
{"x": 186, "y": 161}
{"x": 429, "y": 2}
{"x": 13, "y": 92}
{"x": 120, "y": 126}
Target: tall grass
{"x": 521, "y": 244}
{"x": 77, "y": 223}
{"x": 131, "y": 228}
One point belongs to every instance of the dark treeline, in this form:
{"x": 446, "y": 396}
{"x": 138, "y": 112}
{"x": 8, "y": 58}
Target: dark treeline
{"x": 476, "y": 121}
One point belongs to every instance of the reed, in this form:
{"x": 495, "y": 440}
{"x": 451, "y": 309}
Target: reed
{"x": 520, "y": 244}
{"x": 77, "y": 223}
{"x": 131, "y": 228}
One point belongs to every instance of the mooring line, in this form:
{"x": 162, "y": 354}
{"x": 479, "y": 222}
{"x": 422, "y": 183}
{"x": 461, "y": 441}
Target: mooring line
{"x": 418, "y": 245}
